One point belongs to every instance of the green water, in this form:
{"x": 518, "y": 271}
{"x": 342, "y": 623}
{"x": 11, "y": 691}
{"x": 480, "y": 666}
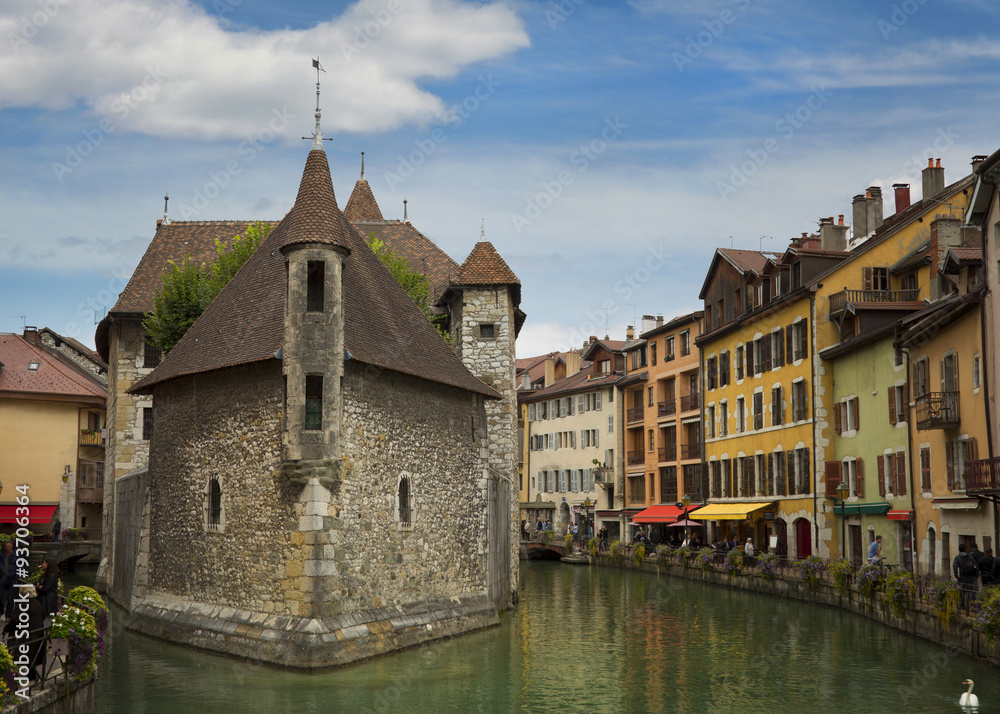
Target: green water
{"x": 585, "y": 640}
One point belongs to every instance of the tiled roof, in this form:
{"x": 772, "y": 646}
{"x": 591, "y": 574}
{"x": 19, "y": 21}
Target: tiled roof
{"x": 361, "y": 206}
{"x": 315, "y": 217}
{"x": 484, "y": 266}
{"x": 968, "y": 254}
{"x": 54, "y": 377}
{"x": 749, "y": 260}
{"x": 579, "y": 382}
{"x": 172, "y": 243}
{"x": 421, "y": 253}
{"x": 382, "y": 325}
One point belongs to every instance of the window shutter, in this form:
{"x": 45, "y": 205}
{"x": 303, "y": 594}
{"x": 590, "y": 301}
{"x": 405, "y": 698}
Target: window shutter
{"x": 867, "y": 278}
{"x": 789, "y": 346}
{"x": 770, "y": 474}
{"x": 900, "y": 473}
{"x": 949, "y": 457}
{"x": 781, "y": 347}
{"x": 859, "y": 474}
{"x": 905, "y": 416}
{"x": 750, "y": 351}
{"x": 856, "y": 408}
{"x": 804, "y": 328}
{"x": 836, "y": 417}
{"x": 881, "y": 476}
{"x": 892, "y": 405}
{"x": 597, "y": 437}
{"x": 832, "y": 478}
{"x": 597, "y": 401}
{"x": 765, "y": 353}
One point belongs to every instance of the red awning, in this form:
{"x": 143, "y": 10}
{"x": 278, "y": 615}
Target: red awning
{"x": 36, "y": 514}
{"x": 898, "y": 515}
{"x": 660, "y": 513}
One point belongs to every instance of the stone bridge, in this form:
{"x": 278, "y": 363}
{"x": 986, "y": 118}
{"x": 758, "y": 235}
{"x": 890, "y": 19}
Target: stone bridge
{"x": 66, "y": 553}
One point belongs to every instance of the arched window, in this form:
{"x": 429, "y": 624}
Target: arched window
{"x": 404, "y": 502}
{"x": 213, "y": 506}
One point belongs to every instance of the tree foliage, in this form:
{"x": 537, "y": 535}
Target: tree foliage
{"x": 188, "y": 289}
{"x": 415, "y": 284}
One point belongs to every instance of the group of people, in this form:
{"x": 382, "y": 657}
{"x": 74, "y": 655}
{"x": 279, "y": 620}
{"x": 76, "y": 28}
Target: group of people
{"x": 972, "y": 568}
{"x": 43, "y": 601}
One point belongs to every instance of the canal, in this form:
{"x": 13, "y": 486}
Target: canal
{"x": 584, "y": 640}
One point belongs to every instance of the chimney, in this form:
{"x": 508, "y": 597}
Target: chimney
{"x": 648, "y": 323}
{"x": 630, "y": 332}
{"x": 860, "y": 217}
{"x": 550, "y": 370}
{"x": 977, "y": 160}
{"x": 933, "y": 179}
{"x": 572, "y": 363}
{"x": 832, "y": 236}
{"x": 874, "y": 202}
{"x": 945, "y": 233}
{"x": 810, "y": 242}
{"x": 31, "y": 334}
{"x": 902, "y": 191}
{"x": 659, "y": 320}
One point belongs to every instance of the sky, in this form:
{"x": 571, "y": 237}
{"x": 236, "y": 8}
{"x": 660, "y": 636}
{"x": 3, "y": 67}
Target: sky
{"x": 606, "y": 149}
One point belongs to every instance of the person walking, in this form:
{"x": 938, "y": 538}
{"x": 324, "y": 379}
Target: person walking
{"x": 48, "y": 592}
{"x": 966, "y": 571}
{"x": 8, "y": 577}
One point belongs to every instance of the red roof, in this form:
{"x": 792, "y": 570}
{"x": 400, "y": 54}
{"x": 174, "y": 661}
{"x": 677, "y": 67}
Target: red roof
{"x": 484, "y": 266}
{"x": 362, "y": 206}
{"x": 52, "y": 378}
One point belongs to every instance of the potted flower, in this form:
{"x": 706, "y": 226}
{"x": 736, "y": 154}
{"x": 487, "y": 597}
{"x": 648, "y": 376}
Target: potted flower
{"x": 77, "y": 628}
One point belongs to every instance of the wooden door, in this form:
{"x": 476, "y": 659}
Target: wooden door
{"x": 803, "y": 539}
{"x": 857, "y": 548}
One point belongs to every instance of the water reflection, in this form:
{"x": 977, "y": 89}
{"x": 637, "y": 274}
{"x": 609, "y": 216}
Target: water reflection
{"x": 585, "y": 640}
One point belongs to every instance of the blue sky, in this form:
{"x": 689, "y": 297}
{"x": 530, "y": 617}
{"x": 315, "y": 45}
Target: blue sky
{"x": 609, "y": 147}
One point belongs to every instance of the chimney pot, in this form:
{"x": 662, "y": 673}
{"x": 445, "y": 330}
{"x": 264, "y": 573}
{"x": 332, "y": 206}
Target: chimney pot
{"x": 840, "y": 219}
{"x": 930, "y": 163}
{"x": 938, "y": 165}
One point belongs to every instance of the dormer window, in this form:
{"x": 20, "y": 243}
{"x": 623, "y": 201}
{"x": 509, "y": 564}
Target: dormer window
{"x": 315, "y": 284}
{"x": 33, "y": 366}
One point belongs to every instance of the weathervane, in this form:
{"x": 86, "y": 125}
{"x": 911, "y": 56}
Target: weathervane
{"x": 362, "y": 164}
{"x": 317, "y": 136}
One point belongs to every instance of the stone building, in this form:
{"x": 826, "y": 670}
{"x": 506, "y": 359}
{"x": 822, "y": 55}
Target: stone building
{"x": 338, "y": 481}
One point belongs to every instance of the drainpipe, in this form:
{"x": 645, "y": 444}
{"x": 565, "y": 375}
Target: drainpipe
{"x": 812, "y": 367}
{"x": 914, "y": 556}
{"x": 983, "y": 362}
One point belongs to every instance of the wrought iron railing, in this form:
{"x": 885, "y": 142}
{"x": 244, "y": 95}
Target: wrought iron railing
{"x": 937, "y": 410}
{"x": 666, "y": 453}
{"x": 635, "y": 457}
{"x": 982, "y": 476}
{"x": 691, "y": 451}
{"x": 690, "y": 401}
{"x": 667, "y": 407}
{"x": 634, "y": 414}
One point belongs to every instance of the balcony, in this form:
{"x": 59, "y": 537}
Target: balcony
{"x": 690, "y": 402}
{"x": 666, "y": 453}
{"x": 91, "y": 438}
{"x": 937, "y": 410}
{"x": 840, "y": 302}
{"x": 634, "y": 414}
{"x": 635, "y": 457}
{"x": 691, "y": 451}
{"x": 90, "y": 494}
{"x": 982, "y": 477}
{"x": 668, "y": 407}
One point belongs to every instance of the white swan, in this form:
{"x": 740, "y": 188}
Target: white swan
{"x": 968, "y": 699}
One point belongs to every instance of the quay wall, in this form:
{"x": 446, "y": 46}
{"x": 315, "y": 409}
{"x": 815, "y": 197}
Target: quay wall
{"x": 959, "y": 635}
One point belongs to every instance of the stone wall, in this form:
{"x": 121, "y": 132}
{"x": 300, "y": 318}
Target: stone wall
{"x": 492, "y": 359}
{"x": 85, "y": 362}
{"x": 125, "y": 449}
{"x": 398, "y": 426}
{"x": 224, "y": 425}
{"x": 131, "y": 494}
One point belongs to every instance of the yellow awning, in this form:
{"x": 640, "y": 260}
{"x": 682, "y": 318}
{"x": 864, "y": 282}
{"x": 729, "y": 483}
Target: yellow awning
{"x": 728, "y": 511}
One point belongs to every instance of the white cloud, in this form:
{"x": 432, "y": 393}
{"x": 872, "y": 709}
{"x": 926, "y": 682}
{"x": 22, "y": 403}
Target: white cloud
{"x": 167, "y": 68}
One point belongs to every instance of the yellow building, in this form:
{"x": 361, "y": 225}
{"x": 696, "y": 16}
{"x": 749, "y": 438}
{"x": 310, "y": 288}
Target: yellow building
{"x": 52, "y": 421}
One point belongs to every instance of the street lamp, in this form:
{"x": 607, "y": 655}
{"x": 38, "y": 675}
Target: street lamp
{"x": 65, "y": 476}
{"x": 683, "y": 504}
